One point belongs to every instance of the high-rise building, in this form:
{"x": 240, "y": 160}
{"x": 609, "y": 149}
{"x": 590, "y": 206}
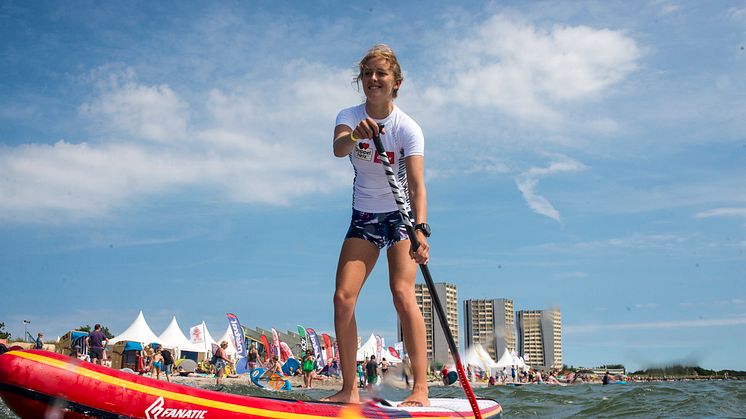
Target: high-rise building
{"x": 437, "y": 345}
{"x": 540, "y": 337}
{"x": 490, "y": 323}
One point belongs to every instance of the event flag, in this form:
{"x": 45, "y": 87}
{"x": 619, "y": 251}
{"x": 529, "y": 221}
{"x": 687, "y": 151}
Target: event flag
{"x": 327, "y": 348}
{"x": 379, "y": 346}
{"x": 303, "y": 343}
{"x": 265, "y": 342}
{"x": 238, "y": 337}
{"x": 314, "y": 342}
{"x": 276, "y": 341}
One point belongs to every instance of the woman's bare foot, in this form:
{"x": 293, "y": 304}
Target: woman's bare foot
{"x": 344, "y": 396}
{"x": 418, "y": 398}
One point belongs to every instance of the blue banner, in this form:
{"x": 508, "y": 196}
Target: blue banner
{"x": 314, "y": 342}
{"x": 238, "y": 337}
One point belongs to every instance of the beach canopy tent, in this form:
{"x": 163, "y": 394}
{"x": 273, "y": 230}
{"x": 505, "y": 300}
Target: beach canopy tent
{"x": 173, "y": 338}
{"x": 509, "y": 359}
{"x": 367, "y": 349}
{"x": 371, "y": 348}
{"x": 505, "y": 360}
{"x": 477, "y": 356}
{"x": 228, "y": 337}
{"x": 138, "y": 331}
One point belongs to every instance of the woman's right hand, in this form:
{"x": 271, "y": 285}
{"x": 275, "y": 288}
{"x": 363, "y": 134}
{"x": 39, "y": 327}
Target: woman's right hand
{"x": 367, "y": 128}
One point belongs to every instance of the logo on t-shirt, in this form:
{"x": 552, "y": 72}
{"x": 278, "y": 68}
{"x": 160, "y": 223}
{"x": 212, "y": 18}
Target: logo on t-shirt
{"x": 363, "y": 151}
{"x": 390, "y": 155}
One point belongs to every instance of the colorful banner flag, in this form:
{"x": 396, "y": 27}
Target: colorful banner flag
{"x": 303, "y": 343}
{"x": 265, "y": 342}
{"x": 276, "y": 342}
{"x": 393, "y": 352}
{"x": 379, "y": 346}
{"x": 314, "y": 342}
{"x": 238, "y": 337}
{"x": 327, "y": 348}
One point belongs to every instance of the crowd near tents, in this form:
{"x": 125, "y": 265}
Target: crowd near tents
{"x": 198, "y": 344}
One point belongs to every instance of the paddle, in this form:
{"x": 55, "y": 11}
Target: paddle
{"x": 426, "y": 273}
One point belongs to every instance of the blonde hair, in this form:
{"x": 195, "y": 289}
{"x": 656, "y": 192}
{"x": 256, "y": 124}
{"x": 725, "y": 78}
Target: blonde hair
{"x": 380, "y": 51}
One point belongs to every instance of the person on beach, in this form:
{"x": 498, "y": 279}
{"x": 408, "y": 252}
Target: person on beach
{"x": 384, "y": 367}
{"x": 157, "y": 364}
{"x": 308, "y": 368}
{"x": 39, "y": 343}
{"x": 371, "y": 372}
{"x": 253, "y": 359}
{"x": 221, "y": 361}
{"x": 361, "y": 375}
{"x": 168, "y": 364}
{"x": 273, "y": 367}
{"x": 376, "y": 222}
{"x": 97, "y": 341}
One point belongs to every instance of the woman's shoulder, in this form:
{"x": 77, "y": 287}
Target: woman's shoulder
{"x": 356, "y": 111}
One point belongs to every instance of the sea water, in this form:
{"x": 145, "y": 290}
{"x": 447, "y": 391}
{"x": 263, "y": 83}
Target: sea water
{"x": 716, "y": 399}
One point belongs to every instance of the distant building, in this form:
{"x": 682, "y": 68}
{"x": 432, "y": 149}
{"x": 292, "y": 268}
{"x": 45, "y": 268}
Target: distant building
{"x": 437, "y": 345}
{"x": 540, "y": 337}
{"x": 490, "y": 323}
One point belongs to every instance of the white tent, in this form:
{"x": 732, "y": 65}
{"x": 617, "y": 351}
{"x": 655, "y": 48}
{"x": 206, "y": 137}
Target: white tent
{"x": 368, "y": 348}
{"x": 505, "y": 360}
{"x": 228, "y": 337}
{"x": 200, "y": 338}
{"x": 371, "y": 348}
{"x": 174, "y": 338}
{"x": 477, "y": 356}
{"x": 138, "y": 331}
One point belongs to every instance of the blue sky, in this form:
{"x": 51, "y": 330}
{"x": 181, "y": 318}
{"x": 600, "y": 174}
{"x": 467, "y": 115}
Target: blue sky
{"x": 175, "y": 158}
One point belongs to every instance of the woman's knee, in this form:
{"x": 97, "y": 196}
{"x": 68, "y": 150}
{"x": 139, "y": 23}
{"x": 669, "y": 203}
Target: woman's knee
{"x": 344, "y": 299}
{"x": 404, "y": 299}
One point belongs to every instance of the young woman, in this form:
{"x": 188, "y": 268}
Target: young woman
{"x": 376, "y": 223}
{"x": 308, "y": 368}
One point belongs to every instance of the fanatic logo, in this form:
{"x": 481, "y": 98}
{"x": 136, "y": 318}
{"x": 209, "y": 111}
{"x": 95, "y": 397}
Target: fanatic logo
{"x": 156, "y": 411}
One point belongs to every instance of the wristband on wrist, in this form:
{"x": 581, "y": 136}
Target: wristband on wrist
{"x": 352, "y": 137}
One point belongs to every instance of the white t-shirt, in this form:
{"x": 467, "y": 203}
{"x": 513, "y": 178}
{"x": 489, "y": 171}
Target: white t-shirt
{"x": 403, "y": 138}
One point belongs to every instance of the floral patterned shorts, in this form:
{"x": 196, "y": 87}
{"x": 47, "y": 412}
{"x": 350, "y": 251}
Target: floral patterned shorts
{"x": 382, "y": 229}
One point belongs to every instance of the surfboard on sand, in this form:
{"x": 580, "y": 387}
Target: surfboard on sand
{"x": 260, "y": 378}
{"x": 38, "y": 383}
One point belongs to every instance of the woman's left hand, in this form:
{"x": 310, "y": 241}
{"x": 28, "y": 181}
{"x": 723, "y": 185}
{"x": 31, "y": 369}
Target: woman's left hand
{"x": 422, "y": 255}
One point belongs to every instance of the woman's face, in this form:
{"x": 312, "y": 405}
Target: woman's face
{"x": 378, "y": 79}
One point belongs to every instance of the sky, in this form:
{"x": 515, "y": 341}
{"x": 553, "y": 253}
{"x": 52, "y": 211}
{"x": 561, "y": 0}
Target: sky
{"x": 175, "y": 158}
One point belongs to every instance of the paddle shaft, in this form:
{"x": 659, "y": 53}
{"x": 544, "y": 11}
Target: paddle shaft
{"x": 400, "y": 202}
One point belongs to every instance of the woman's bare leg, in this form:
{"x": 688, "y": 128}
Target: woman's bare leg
{"x": 356, "y": 261}
{"x": 402, "y": 277}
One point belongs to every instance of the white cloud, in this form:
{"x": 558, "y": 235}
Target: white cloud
{"x": 737, "y": 13}
{"x": 676, "y": 324}
{"x": 153, "y": 113}
{"x": 528, "y": 180}
{"x": 256, "y": 144}
{"x": 529, "y": 72}
{"x": 722, "y": 212}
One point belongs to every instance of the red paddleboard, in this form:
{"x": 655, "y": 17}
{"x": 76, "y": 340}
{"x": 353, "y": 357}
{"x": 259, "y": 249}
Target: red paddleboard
{"x": 35, "y": 383}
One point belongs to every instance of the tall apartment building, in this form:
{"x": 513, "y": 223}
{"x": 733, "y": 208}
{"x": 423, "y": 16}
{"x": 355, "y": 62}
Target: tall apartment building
{"x": 490, "y": 323}
{"x": 540, "y": 337}
{"x": 437, "y": 345}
